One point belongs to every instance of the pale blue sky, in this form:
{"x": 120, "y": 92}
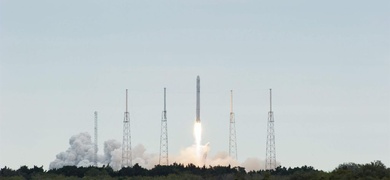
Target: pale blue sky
{"x": 328, "y": 64}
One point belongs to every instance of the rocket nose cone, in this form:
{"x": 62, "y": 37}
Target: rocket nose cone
{"x": 197, "y": 77}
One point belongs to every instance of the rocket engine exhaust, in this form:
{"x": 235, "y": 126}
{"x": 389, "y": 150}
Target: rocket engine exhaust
{"x": 198, "y": 125}
{"x": 198, "y": 136}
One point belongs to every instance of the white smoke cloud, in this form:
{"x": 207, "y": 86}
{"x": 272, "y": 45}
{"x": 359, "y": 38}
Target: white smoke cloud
{"x": 116, "y": 159}
{"x": 110, "y": 146}
{"x": 188, "y": 155}
{"x": 144, "y": 159}
{"x": 81, "y": 153}
{"x": 253, "y": 164}
{"x": 112, "y": 154}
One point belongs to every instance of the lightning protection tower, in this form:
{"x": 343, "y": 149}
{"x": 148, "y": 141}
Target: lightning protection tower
{"x": 270, "y": 161}
{"x": 96, "y": 138}
{"x": 126, "y": 144}
{"x": 164, "y": 135}
{"x": 232, "y": 130}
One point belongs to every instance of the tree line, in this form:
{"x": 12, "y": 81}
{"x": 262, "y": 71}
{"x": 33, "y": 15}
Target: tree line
{"x": 373, "y": 170}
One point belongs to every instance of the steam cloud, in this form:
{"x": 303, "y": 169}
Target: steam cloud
{"x": 81, "y": 153}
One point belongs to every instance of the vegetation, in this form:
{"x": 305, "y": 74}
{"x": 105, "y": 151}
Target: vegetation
{"x": 373, "y": 170}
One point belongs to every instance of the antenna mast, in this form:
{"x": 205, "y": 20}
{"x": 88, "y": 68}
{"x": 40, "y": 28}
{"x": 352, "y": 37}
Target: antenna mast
{"x": 232, "y": 130}
{"x": 96, "y": 138}
{"x": 126, "y": 144}
{"x": 270, "y": 161}
{"x": 164, "y": 135}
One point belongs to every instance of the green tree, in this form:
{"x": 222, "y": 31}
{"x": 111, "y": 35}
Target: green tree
{"x": 7, "y": 172}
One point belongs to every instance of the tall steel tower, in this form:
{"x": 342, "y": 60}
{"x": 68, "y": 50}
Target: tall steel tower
{"x": 96, "y": 138}
{"x": 232, "y": 130}
{"x": 126, "y": 144}
{"x": 270, "y": 161}
{"x": 164, "y": 135}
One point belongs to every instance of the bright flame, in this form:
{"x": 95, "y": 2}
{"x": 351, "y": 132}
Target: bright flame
{"x": 198, "y": 137}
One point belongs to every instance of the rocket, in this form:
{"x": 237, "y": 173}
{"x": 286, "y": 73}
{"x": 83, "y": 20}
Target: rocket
{"x": 198, "y": 99}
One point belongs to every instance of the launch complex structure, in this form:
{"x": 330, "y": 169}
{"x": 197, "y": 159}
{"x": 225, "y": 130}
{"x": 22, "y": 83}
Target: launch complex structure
{"x": 126, "y": 144}
{"x": 270, "y": 160}
{"x": 163, "y": 159}
{"x": 163, "y": 156}
{"x": 95, "y": 159}
{"x": 232, "y": 130}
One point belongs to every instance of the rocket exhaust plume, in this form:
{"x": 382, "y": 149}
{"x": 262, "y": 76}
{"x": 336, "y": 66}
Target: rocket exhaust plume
{"x": 198, "y": 137}
{"x": 198, "y": 125}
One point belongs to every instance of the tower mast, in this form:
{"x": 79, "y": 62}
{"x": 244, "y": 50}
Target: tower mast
{"x": 270, "y": 161}
{"x": 232, "y": 130}
{"x": 126, "y": 144}
{"x": 96, "y": 138}
{"x": 164, "y": 135}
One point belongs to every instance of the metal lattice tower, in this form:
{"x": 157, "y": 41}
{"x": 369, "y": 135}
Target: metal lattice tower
{"x": 232, "y": 130}
{"x": 126, "y": 144}
{"x": 164, "y": 135}
{"x": 96, "y": 139}
{"x": 270, "y": 161}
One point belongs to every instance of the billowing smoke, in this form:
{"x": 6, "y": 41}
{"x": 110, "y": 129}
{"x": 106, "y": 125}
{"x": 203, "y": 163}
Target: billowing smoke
{"x": 253, "y": 164}
{"x": 112, "y": 154}
{"x": 81, "y": 153}
{"x": 144, "y": 159}
{"x": 189, "y": 155}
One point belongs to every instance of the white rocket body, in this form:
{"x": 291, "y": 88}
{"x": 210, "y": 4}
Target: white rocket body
{"x": 198, "y": 99}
